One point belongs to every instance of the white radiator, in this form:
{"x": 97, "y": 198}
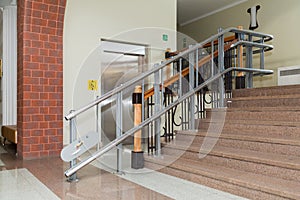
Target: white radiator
{"x": 289, "y": 75}
{"x": 9, "y": 81}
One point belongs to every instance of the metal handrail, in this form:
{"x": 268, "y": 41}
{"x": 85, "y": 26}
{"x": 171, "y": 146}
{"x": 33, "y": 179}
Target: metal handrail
{"x": 266, "y": 47}
{"x": 266, "y": 37}
{"x": 130, "y": 132}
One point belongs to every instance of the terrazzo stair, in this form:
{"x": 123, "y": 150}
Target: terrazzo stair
{"x": 267, "y": 91}
{"x": 251, "y": 149}
{"x": 266, "y": 97}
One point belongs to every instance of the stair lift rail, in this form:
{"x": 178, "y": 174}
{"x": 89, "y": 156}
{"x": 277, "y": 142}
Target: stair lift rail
{"x": 160, "y": 85}
{"x": 265, "y": 38}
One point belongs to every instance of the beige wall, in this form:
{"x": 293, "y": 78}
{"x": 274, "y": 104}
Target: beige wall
{"x": 276, "y": 17}
{"x": 86, "y": 22}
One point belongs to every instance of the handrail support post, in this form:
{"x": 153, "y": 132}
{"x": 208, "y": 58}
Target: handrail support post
{"x": 137, "y": 155}
{"x": 73, "y": 137}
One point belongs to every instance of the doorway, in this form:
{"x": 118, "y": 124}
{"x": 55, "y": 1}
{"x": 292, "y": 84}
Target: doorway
{"x": 120, "y": 62}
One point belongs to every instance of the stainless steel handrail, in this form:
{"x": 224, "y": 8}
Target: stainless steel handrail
{"x": 267, "y": 47}
{"x": 266, "y": 37}
{"x": 130, "y": 132}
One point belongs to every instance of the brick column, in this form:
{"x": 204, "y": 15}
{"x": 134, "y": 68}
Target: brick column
{"x": 40, "y": 78}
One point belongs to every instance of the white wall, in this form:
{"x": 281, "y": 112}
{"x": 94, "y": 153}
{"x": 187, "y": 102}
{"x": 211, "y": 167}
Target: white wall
{"x": 86, "y": 22}
{"x": 276, "y": 17}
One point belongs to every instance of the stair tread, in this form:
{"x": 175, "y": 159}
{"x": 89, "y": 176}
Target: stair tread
{"x": 285, "y": 161}
{"x": 246, "y": 179}
{"x": 288, "y": 140}
{"x": 266, "y": 108}
{"x": 288, "y": 96}
{"x": 253, "y": 108}
{"x": 254, "y": 122}
{"x": 271, "y": 87}
{"x": 267, "y": 90}
{"x": 292, "y": 162}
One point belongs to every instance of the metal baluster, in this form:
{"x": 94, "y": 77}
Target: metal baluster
{"x": 197, "y": 68}
{"x": 180, "y": 90}
{"x": 197, "y": 81}
{"x": 149, "y": 126}
{"x": 221, "y": 68}
{"x": 157, "y": 105}
{"x": 191, "y": 87}
{"x": 97, "y": 125}
{"x": 153, "y": 135}
{"x": 180, "y": 77}
{"x": 212, "y": 59}
{"x": 249, "y": 55}
{"x": 143, "y": 101}
{"x": 172, "y": 121}
{"x": 262, "y": 55}
{"x": 212, "y": 73}
{"x": 119, "y": 129}
{"x": 166, "y": 121}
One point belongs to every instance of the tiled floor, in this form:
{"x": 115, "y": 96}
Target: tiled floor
{"x": 44, "y": 179}
{"x": 94, "y": 183}
{"x": 167, "y": 185}
{"x": 18, "y": 184}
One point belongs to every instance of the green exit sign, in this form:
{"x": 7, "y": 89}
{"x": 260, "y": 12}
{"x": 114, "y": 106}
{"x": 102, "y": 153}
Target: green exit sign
{"x": 165, "y": 37}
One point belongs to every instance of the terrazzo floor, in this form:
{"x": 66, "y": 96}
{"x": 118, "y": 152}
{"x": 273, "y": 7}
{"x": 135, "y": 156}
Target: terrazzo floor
{"x": 44, "y": 179}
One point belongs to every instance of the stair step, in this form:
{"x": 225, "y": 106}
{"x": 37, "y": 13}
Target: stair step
{"x": 272, "y": 164}
{"x": 281, "y": 140}
{"x": 281, "y": 114}
{"x": 257, "y": 184}
{"x": 266, "y": 101}
{"x": 278, "y": 145}
{"x": 204, "y": 124}
{"x": 267, "y": 91}
{"x": 275, "y": 140}
{"x": 270, "y": 129}
{"x": 290, "y": 162}
{"x": 263, "y": 130}
{"x": 251, "y": 148}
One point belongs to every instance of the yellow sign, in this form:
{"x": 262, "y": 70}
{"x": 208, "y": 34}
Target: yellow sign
{"x": 93, "y": 85}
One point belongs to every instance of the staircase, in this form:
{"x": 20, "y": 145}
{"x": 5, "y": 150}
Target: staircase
{"x": 257, "y": 153}
{"x": 210, "y": 64}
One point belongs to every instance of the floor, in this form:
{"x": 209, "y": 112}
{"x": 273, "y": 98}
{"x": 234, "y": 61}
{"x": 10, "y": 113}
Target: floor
{"x": 44, "y": 179}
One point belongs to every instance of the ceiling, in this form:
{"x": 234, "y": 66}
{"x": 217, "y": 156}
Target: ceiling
{"x": 189, "y": 11}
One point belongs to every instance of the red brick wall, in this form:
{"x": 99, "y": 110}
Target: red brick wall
{"x": 40, "y": 78}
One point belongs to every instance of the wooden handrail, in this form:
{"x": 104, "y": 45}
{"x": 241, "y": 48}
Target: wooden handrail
{"x": 186, "y": 71}
{"x": 227, "y": 39}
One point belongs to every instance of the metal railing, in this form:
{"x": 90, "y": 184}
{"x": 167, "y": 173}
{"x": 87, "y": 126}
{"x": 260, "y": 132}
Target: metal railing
{"x": 207, "y": 62}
